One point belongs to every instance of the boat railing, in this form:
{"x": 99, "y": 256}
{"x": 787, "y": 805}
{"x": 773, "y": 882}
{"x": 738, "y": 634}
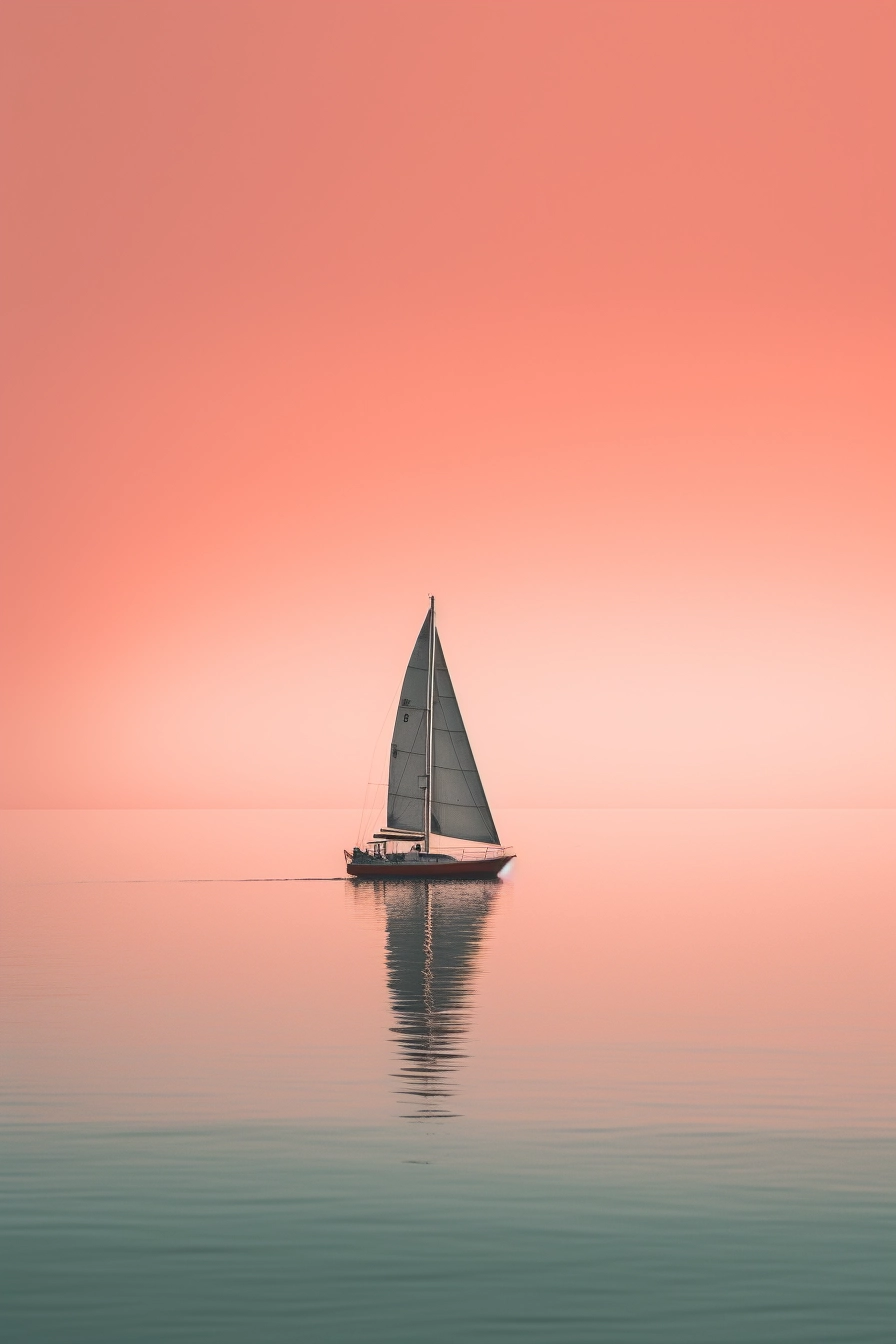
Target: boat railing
{"x": 478, "y": 852}
{"x": 466, "y": 853}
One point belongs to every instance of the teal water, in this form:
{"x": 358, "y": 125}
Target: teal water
{"x": 647, "y": 1099}
{"x": 278, "y": 1233}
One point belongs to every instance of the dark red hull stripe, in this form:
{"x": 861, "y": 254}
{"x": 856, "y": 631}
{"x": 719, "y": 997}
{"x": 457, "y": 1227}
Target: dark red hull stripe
{"x": 463, "y": 868}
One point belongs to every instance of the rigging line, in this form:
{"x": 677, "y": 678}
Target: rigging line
{"x": 375, "y": 806}
{"x": 364, "y": 810}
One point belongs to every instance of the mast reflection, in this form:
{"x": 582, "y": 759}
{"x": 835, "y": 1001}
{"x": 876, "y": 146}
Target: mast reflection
{"x": 434, "y": 931}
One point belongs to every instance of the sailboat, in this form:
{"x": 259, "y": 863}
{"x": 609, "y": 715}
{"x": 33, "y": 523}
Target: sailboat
{"x": 434, "y": 786}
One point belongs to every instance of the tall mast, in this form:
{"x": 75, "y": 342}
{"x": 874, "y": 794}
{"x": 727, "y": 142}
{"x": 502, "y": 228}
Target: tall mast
{"x": 430, "y": 695}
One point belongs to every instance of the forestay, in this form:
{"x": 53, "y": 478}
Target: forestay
{"x": 459, "y": 806}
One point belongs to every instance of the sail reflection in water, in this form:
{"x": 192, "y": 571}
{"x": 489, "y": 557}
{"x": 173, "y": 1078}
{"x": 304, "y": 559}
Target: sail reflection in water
{"x": 434, "y": 931}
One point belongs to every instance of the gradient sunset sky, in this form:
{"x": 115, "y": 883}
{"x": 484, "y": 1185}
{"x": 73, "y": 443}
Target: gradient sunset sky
{"x": 580, "y": 316}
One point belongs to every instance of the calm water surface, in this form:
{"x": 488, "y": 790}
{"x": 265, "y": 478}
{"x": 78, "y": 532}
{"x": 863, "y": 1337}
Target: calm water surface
{"x": 641, "y": 1090}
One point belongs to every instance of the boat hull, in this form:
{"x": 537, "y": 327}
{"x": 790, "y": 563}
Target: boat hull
{"x": 461, "y": 868}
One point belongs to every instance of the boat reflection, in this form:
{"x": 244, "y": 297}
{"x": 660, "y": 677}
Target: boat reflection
{"x": 434, "y": 931}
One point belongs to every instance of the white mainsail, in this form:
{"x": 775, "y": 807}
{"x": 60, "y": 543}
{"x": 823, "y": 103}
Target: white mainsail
{"x": 459, "y": 807}
{"x": 407, "y": 762}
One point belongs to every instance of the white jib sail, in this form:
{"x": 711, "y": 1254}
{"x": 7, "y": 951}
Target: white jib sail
{"x": 459, "y": 806}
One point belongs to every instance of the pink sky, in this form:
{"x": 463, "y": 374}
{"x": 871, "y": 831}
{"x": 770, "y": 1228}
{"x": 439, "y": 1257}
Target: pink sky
{"x": 579, "y": 316}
